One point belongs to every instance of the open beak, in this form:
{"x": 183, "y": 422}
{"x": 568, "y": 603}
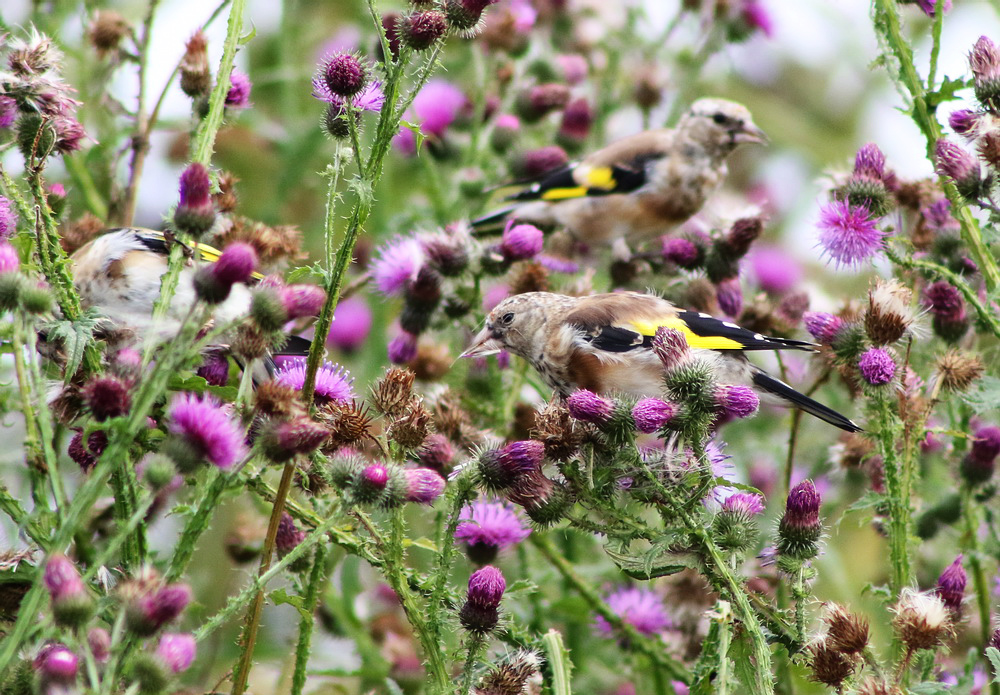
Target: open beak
{"x": 483, "y": 344}
{"x": 751, "y": 133}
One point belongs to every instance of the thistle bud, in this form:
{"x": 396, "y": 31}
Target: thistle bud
{"x": 99, "y": 642}
{"x": 288, "y": 538}
{"x": 985, "y": 63}
{"x": 577, "y": 119}
{"x": 344, "y": 75}
{"x": 480, "y": 613}
{"x": 800, "y": 529}
{"x": 420, "y": 30}
{"x": 538, "y": 101}
{"x": 410, "y": 429}
{"x": 506, "y": 128}
{"x": 447, "y": 254}
{"x": 829, "y": 666}
{"x": 961, "y": 167}
{"x": 521, "y": 241}
{"x": 149, "y": 610}
{"x": 437, "y": 453}
{"x": 208, "y": 288}
{"x": 979, "y": 464}
{"x": 682, "y": 252}
{"x": 283, "y": 440}
{"x": 545, "y": 501}
{"x": 56, "y": 665}
{"x": 423, "y": 485}
{"x": 71, "y": 605}
{"x": 736, "y": 401}
{"x": 587, "y": 406}
{"x": 964, "y": 122}
{"x": 733, "y": 527}
{"x": 403, "y": 348}
{"x": 236, "y": 264}
{"x": 534, "y": 163}
{"x": 921, "y": 620}
{"x": 825, "y": 328}
{"x": 196, "y": 79}
{"x": 464, "y": 15}
{"x": 501, "y": 468}
{"x": 671, "y": 347}
{"x": 195, "y": 214}
{"x": 877, "y": 367}
{"x": 951, "y": 586}
{"x": 845, "y": 632}
{"x": 106, "y": 30}
{"x": 946, "y": 305}
{"x": 214, "y": 368}
{"x": 652, "y": 414}
{"x": 393, "y": 392}
{"x": 107, "y": 397}
{"x": 302, "y": 301}
{"x": 176, "y": 651}
{"x": 729, "y": 295}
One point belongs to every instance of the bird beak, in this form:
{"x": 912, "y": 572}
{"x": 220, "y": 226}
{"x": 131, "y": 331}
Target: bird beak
{"x": 483, "y": 344}
{"x": 751, "y": 133}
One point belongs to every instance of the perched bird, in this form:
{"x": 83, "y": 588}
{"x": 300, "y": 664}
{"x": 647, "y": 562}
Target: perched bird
{"x": 603, "y": 343}
{"x": 641, "y": 186}
{"x": 119, "y": 273}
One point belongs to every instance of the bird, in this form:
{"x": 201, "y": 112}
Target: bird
{"x": 638, "y": 187}
{"x": 603, "y": 343}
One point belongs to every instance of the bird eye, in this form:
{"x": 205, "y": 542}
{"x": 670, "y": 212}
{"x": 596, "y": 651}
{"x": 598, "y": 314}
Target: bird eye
{"x": 720, "y": 118}
{"x": 507, "y": 319}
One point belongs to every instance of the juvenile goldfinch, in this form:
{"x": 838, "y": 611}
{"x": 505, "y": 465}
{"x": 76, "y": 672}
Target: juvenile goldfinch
{"x": 119, "y": 273}
{"x": 641, "y": 186}
{"x": 603, "y": 343}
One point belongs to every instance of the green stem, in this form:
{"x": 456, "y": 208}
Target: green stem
{"x": 887, "y": 23}
{"x": 477, "y": 645}
{"x": 197, "y": 523}
{"x": 461, "y": 493}
{"x": 974, "y": 552}
{"x": 897, "y": 494}
{"x": 307, "y": 621}
{"x": 118, "y": 540}
{"x": 35, "y": 459}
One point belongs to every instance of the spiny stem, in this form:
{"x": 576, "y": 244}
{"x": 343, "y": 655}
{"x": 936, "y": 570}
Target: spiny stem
{"x": 306, "y": 623}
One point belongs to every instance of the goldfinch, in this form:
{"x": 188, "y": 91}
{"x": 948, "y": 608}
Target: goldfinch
{"x": 603, "y": 343}
{"x": 119, "y": 273}
{"x": 641, "y": 186}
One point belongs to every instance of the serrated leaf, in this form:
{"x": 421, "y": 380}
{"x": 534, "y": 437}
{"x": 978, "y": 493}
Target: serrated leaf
{"x": 985, "y": 396}
{"x": 425, "y": 543}
{"x": 657, "y": 562}
{"x": 929, "y": 688}
{"x": 249, "y": 36}
{"x": 869, "y": 500}
{"x": 993, "y": 654}
{"x": 280, "y": 596}
{"x": 75, "y": 336}
{"x": 946, "y": 92}
{"x": 415, "y": 129}
{"x": 522, "y": 585}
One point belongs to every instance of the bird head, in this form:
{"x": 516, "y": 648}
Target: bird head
{"x": 513, "y": 325}
{"x": 721, "y": 125}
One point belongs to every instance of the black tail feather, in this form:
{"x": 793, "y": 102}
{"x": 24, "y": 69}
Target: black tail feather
{"x": 494, "y": 218}
{"x": 803, "y": 402}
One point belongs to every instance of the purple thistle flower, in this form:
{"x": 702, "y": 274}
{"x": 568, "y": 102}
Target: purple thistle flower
{"x": 822, "y": 326}
{"x": 402, "y": 348}
{"x": 107, "y": 397}
{"x": 423, "y": 485}
{"x": 56, "y": 664}
{"x": 434, "y": 109}
{"x": 521, "y": 241}
{"x": 756, "y": 16}
{"x": 215, "y": 368}
{"x": 167, "y": 603}
{"x": 69, "y": 134}
{"x": 650, "y": 414}
{"x": 930, "y": 6}
{"x": 670, "y": 346}
{"x": 238, "y": 96}
{"x": 333, "y": 382}
{"x": 937, "y": 216}
{"x": 176, "y": 651}
{"x": 683, "y": 252}
{"x": 195, "y": 213}
{"x": 958, "y": 165}
{"x": 744, "y": 503}
{"x": 870, "y": 161}
{"x": 589, "y": 407}
{"x": 352, "y": 322}
{"x": 236, "y": 264}
{"x": 342, "y": 74}
{"x": 397, "y": 265}
{"x": 848, "y": 234}
{"x": 289, "y": 536}
{"x": 775, "y": 269}
{"x": 963, "y": 121}
{"x": 301, "y": 301}
{"x": 99, "y": 642}
{"x": 207, "y": 426}
{"x": 802, "y": 507}
{"x": 558, "y": 265}
{"x": 370, "y": 98}
{"x": 62, "y": 579}
{"x": 945, "y": 301}
{"x": 729, "y": 294}
{"x": 736, "y": 400}
{"x": 9, "y": 262}
{"x": 480, "y": 612}
{"x": 985, "y": 59}
{"x": 8, "y": 219}
{"x": 502, "y": 468}
{"x": 643, "y": 609}
{"x": 986, "y": 445}
{"x": 951, "y": 585}
{"x": 877, "y": 366}
{"x": 8, "y": 112}
{"x": 488, "y": 527}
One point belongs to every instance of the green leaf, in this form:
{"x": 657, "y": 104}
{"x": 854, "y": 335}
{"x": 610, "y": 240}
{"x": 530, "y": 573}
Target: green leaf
{"x": 280, "y": 596}
{"x": 249, "y": 36}
{"x": 946, "y": 92}
{"x": 930, "y": 688}
{"x": 425, "y": 543}
{"x": 557, "y": 658}
{"x": 197, "y": 384}
{"x": 869, "y": 500}
{"x": 658, "y": 561}
{"x": 986, "y": 395}
{"x": 993, "y": 654}
{"x": 75, "y": 336}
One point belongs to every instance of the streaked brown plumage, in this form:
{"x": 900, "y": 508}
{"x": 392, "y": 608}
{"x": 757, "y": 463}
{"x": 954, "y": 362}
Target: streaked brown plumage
{"x": 602, "y": 343}
{"x": 641, "y": 186}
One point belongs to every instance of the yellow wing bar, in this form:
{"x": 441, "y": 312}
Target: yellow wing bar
{"x": 707, "y": 342}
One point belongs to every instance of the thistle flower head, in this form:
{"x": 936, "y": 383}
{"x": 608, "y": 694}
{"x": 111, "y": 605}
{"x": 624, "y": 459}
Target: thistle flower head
{"x": 9, "y": 262}
{"x": 521, "y": 241}
{"x": 670, "y": 346}
{"x": 845, "y": 631}
{"x": 870, "y": 161}
{"x": 8, "y": 112}
{"x": 107, "y": 397}
{"x": 890, "y": 313}
{"x": 480, "y": 612}
{"x": 238, "y": 96}
{"x": 342, "y": 74}
{"x": 151, "y": 607}
{"x": 437, "y": 453}
{"x": 282, "y": 440}
{"x": 958, "y": 165}
{"x": 56, "y": 665}
{"x": 877, "y": 366}
{"x": 651, "y": 414}
{"x": 729, "y": 295}
{"x": 951, "y": 585}
{"x": 423, "y": 485}
{"x": 236, "y": 264}
{"x": 207, "y": 428}
{"x": 215, "y": 368}
{"x": 176, "y": 651}
{"x": 289, "y": 535}
{"x": 536, "y": 162}
{"x": 984, "y": 60}
{"x": 397, "y": 265}
{"x": 643, "y": 609}
{"x": 61, "y": 578}
{"x": 931, "y": 6}
{"x": 958, "y": 370}
{"x": 829, "y": 666}
{"x": 682, "y": 252}
{"x": 489, "y": 527}
{"x": 421, "y": 29}
{"x": 501, "y": 468}
{"x": 800, "y": 529}
{"x": 849, "y": 234}
{"x": 744, "y": 503}
{"x": 587, "y": 406}
{"x": 8, "y": 218}
{"x": 978, "y": 465}
{"x": 822, "y": 326}
{"x": 403, "y": 348}
{"x": 921, "y": 619}
{"x": 964, "y": 121}
{"x": 736, "y": 400}
{"x": 333, "y": 382}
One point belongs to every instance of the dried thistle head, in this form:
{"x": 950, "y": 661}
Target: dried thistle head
{"x": 890, "y": 312}
{"x": 277, "y": 399}
{"x": 852, "y": 450}
{"x": 392, "y": 393}
{"x": 106, "y": 30}
{"x": 921, "y": 619}
{"x": 529, "y": 276}
{"x": 411, "y": 429}
{"x": 561, "y": 434}
{"x": 828, "y": 665}
{"x": 80, "y": 231}
{"x": 225, "y": 200}
{"x": 877, "y": 686}
{"x": 845, "y": 631}
{"x": 432, "y": 362}
{"x": 272, "y": 244}
{"x": 957, "y": 370}
{"x": 349, "y": 422}
{"x": 449, "y": 417}
{"x": 510, "y": 676}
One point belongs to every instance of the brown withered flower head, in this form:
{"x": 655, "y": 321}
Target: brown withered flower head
{"x": 829, "y": 666}
{"x": 921, "y": 619}
{"x": 106, "y": 31}
{"x": 511, "y": 675}
{"x": 225, "y": 200}
{"x": 529, "y": 276}
{"x": 890, "y": 312}
{"x": 410, "y": 429}
{"x": 432, "y": 362}
{"x": 79, "y": 232}
{"x": 452, "y": 420}
{"x": 196, "y": 78}
{"x": 392, "y": 393}
{"x": 561, "y": 434}
{"x": 877, "y": 686}
{"x": 277, "y": 400}
{"x": 272, "y": 244}
{"x": 845, "y": 631}
{"x": 958, "y": 370}
{"x": 349, "y": 423}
